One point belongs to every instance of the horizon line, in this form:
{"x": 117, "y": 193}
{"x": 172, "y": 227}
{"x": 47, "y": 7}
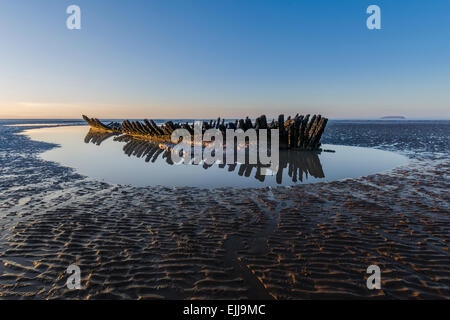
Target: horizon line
{"x": 233, "y": 118}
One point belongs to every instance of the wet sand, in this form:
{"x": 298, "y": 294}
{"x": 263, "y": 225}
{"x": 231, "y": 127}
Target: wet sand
{"x": 303, "y": 242}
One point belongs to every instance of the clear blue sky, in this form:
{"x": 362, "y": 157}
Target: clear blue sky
{"x": 204, "y": 58}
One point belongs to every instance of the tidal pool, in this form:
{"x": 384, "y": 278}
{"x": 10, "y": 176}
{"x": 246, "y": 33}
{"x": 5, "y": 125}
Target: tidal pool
{"x": 127, "y": 161}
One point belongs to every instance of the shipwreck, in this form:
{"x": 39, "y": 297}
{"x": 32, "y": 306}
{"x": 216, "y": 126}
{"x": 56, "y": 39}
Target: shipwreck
{"x": 300, "y": 132}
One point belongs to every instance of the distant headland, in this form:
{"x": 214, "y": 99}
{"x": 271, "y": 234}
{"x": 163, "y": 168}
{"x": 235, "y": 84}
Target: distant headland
{"x": 393, "y": 118}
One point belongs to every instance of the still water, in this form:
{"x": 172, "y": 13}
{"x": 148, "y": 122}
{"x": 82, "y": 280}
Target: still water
{"x": 140, "y": 163}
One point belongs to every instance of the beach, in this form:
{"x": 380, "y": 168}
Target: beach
{"x": 311, "y": 241}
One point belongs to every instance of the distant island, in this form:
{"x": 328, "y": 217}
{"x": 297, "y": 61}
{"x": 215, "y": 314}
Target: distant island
{"x": 393, "y": 118}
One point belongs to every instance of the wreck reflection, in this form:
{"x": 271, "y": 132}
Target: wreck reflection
{"x": 97, "y": 137}
{"x": 299, "y": 164}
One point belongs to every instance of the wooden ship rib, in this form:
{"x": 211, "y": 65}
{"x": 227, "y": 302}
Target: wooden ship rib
{"x": 300, "y": 132}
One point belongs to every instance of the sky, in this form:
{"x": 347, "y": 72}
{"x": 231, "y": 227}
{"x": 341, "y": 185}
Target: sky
{"x": 228, "y": 58}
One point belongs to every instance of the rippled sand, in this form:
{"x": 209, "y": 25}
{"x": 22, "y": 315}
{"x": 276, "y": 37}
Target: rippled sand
{"x": 310, "y": 241}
